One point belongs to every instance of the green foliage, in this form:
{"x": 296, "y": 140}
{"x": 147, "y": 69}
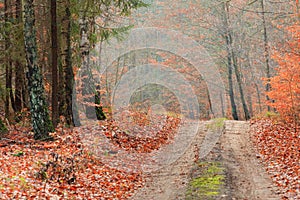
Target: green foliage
{"x": 107, "y": 28}
{"x": 105, "y": 34}
{"x": 12, "y": 31}
{"x": 23, "y": 183}
{"x": 270, "y": 114}
{"x": 18, "y": 153}
{"x": 3, "y": 129}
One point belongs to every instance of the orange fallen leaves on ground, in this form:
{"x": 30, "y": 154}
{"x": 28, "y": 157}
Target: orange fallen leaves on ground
{"x": 278, "y": 145}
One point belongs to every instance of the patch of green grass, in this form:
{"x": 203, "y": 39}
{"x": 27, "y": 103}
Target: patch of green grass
{"x": 267, "y": 114}
{"x": 208, "y": 184}
{"x": 270, "y": 114}
{"x": 23, "y": 183}
{"x": 216, "y": 123}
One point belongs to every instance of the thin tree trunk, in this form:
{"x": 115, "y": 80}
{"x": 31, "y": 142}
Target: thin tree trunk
{"x": 7, "y": 64}
{"x": 222, "y": 103}
{"x": 88, "y": 81}
{"x": 229, "y": 63}
{"x": 71, "y": 114}
{"x": 210, "y": 105}
{"x": 18, "y": 87}
{"x": 239, "y": 81}
{"x": 258, "y": 97}
{"x": 250, "y": 105}
{"x": 41, "y": 122}
{"x": 19, "y": 71}
{"x": 235, "y": 66}
{"x": 7, "y": 101}
{"x": 54, "y": 51}
{"x": 266, "y": 51}
{"x": 9, "y": 84}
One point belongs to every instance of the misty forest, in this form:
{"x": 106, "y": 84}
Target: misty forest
{"x": 149, "y": 99}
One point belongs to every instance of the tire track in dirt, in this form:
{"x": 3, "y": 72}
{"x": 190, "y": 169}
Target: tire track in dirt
{"x": 170, "y": 182}
{"x": 245, "y": 176}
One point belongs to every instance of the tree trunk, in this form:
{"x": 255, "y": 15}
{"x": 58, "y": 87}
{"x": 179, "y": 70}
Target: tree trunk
{"x": 39, "y": 112}
{"x": 19, "y": 86}
{"x": 229, "y": 63}
{"x": 266, "y": 51}
{"x": 258, "y": 97}
{"x": 9, "y": 85}
{"x": 54, "y": 53}
{"x": 89, "y": 88}
{"x": 250, "y": 105}
{"x": 7, "y": 102}
{"x": 8, "y": 67}
{"x": 20, "y": 100}
{"x": 71, "y": 112}
{"x": 239, "y": 81}
{"x": 234, "y": 63}
{"x": 222, "y": 103}
{"x": 99, "y": 110}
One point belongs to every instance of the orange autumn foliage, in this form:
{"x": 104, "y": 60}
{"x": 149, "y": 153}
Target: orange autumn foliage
{"x": 285, "y": 91}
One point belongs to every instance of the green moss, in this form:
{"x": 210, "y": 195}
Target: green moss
{"x": 208, "y": 184}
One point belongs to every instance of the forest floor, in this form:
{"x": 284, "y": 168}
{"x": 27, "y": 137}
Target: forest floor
{"x": 223, "y": 160}
{"x": 243, "y": 174}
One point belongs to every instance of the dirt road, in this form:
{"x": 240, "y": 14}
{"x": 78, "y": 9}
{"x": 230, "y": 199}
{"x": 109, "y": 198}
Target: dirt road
{"x": 245, "y": 177}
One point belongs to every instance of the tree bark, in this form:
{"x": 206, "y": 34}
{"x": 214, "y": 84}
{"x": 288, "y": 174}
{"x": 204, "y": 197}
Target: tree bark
{"x": 229, "y": 63}
{"x": 258, "y": 97}
{"x": 8, "y": 65}
{"x": 41, "y": 122}
{"x": 266, "y": 51}
{"x": 71, "y": 112}
{"x": 89, "y": 88}
{"x": 20, "y": 86}
{"x": 234, "y": 64}
{"x": 54, "y": 54}
{"x": 249, "y": 99}
{"x": 239, "y": 82}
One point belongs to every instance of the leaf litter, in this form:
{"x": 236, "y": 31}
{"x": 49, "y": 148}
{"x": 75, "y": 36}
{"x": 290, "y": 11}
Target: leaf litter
{"x": 96, "y": 161}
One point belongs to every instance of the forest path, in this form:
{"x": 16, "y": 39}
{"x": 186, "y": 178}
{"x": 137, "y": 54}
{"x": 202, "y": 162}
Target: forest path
{"x": 245, "y": 177}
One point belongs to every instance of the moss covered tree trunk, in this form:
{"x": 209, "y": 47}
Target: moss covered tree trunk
{"x": 41, "y": 122}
